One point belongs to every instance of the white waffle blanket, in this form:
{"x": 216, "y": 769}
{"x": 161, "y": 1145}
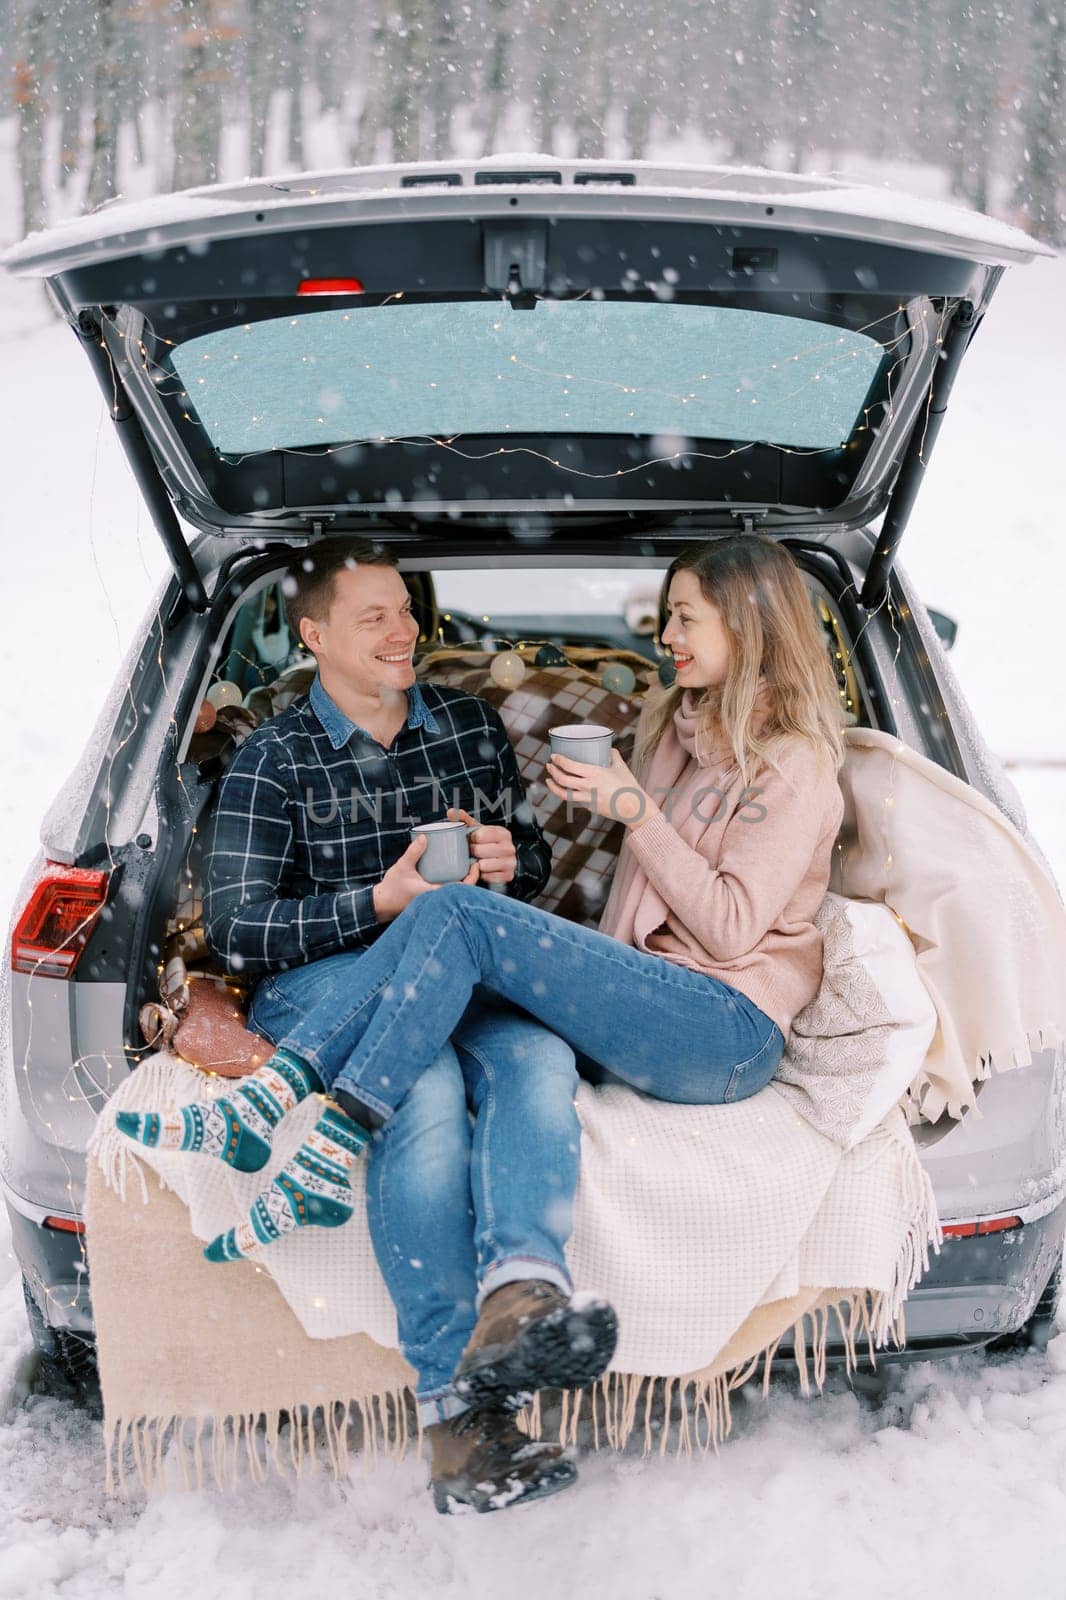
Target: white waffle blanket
{"x": 687, "y": 1217}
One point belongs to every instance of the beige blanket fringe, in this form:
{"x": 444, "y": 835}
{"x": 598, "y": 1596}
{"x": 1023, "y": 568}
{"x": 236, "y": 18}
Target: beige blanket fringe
{"x": 298, "y": 1439}
{"x": 293, "y": 1440}
{"x": 298, "y": 1436}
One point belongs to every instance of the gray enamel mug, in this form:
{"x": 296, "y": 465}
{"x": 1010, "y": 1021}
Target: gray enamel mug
{"x": 446, "y": 858}
{"x": 583, "y": 741}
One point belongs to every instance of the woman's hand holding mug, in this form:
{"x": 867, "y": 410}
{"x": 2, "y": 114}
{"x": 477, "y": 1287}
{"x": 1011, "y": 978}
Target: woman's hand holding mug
{"x": 611, "y": 792}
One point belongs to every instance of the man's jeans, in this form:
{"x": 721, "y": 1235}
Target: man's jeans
{"x": 678, "y": 1034}
{"x": 455, "y": 1210}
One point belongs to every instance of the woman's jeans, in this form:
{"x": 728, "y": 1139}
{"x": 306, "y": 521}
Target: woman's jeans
{"x": 455, "y": 1210}
{"x": 677, "y": 1034}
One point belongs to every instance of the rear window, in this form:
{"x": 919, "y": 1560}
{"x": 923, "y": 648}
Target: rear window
{"x": 405, "y": 371}
{"x": 488, "y": 592}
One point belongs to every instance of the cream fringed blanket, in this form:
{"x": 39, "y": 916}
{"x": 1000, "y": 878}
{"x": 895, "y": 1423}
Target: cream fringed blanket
{"x": 713, "y": 1230}
{"x": 711, "y": 1243}
{"x": 985, "y": 919}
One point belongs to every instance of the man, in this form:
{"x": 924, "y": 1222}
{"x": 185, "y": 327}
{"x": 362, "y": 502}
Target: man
{"x": 308, "y": 856}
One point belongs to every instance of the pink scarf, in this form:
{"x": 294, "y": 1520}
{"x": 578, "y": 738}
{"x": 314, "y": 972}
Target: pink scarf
{"x": 712, "y": 749}
{"x": 634, "y": 909}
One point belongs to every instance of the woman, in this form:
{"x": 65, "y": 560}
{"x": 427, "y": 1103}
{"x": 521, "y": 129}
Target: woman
{"x": 706, "y": 948}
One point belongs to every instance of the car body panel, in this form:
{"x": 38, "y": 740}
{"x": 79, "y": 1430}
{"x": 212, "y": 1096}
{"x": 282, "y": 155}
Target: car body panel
{"x": 141, "y": 281}
{"x": 1010, "y": 1159}
{"x": 739, "y": 195}
{"x": 133, "y": 800}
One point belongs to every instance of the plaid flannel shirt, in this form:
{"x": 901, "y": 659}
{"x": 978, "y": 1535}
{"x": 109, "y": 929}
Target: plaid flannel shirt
{"x": 312, "y": 811}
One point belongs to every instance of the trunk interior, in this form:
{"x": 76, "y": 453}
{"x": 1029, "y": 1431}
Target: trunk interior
{"x": 247, "y": 647}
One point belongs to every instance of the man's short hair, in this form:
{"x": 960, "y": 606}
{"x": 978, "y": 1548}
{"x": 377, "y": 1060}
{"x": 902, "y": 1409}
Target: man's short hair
{"x": 308, "y": 586}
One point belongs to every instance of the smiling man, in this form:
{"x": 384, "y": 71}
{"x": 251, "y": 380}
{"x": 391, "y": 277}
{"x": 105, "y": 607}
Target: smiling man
{"x": 308, "y": 856}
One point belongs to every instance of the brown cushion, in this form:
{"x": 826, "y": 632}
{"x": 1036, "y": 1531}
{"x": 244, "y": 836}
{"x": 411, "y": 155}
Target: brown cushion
{"x": 212, "y": 1035}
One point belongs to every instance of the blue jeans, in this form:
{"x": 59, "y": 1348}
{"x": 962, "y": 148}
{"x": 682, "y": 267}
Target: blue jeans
{"x": 457, "y": 1210}
{"x": 675, "y": 1033}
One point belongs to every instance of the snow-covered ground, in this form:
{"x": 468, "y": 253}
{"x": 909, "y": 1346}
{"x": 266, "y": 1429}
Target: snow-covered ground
{"x": 958, "y": 1484}
{"x": 955, "y": 1488}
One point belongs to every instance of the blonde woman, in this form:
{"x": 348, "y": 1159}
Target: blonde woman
{"x": 706, "y": 948}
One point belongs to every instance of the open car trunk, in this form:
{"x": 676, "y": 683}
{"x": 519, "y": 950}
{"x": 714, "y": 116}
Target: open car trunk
{"x": 526, "y": 345}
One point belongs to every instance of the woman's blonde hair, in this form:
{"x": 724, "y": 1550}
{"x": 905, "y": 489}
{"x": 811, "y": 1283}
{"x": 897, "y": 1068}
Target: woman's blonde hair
{"x": 773, "y": 632}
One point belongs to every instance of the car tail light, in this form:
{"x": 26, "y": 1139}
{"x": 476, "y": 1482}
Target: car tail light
{"x": 999, "y": 1224}
{"x": 966, "y": 1230}
{"x": 57, "y": 919}
{"x": 64, "y": 1224}
{"x": 330, "y": 286}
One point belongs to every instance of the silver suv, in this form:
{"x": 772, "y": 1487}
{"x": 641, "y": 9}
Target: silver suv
{"x": 554, "y": 373}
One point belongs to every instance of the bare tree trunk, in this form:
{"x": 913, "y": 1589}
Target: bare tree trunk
{"x": 441, "y": 90}
{"x": 198, "y": 112}
{"x": 103, "y": 161}
{"x": 972, "y": 102}
{"x": 70, "y": 90}
{"x": 261, "y": 59}
{"x": 751, "y": 86}
{"x": 638, "y": 108}
{"x": 31, "y": 107}
{"x": 590, "y": 112}
{"x": 296, "y": 121}
{"x": 498, "y": 74}
{"x": 554, "y": 35}
{"x": 682, "y": 95}
{"x": 804, "y": 47}
{"x": 138, "y": 136}
{"x": 154, "y": 75}
{"x": 296, "y": 56}
{"x": 331, "y": 59}
{"x": 365, "y": 144}
{"x": 927, "y": 65}
{"x": 404, "y": 72}
{"x": 982, "y": 97}
{"x": 1043, "y": 174}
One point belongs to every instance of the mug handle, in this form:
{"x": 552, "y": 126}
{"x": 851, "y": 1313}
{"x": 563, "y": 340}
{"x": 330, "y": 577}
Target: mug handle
{"x": 471, "y": 827}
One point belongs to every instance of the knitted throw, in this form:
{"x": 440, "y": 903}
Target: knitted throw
{"x": 986, "y": 920}
{"x": 713, "y": 1230}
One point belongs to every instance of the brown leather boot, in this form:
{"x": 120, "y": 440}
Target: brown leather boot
{"x": 482, "y": 1463}
{"x": 531, "y": 1336}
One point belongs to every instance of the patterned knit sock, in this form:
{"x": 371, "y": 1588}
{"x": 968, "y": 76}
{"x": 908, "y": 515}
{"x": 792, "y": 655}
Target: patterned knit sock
{"x": 310, "y": 1191}
{"x": 237, "y": 1129}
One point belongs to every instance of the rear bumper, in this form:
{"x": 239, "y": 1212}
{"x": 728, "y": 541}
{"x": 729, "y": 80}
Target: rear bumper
{"x": 55, "y": 1268}
{"x": 979, "y": 1288}
{"x": 976, "y": 1290}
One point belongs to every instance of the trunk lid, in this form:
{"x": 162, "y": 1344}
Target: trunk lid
{"x": 524, "y": 342}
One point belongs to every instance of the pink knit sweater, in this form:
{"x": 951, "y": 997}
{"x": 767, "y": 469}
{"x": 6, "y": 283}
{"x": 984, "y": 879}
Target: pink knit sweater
{"x": 733, "y": 894}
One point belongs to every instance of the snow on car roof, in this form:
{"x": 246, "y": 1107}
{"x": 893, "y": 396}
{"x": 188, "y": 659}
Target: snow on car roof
{"x": 426, "y": 189}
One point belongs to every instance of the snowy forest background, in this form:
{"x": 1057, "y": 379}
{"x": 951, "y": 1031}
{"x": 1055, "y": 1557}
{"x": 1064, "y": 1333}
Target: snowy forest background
{"x": 99, "y": 97}
{"x": 944, "y": 99}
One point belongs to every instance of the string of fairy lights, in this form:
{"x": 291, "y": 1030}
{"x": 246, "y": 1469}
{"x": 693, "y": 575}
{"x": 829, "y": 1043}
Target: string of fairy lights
{"x": 81, "y": 1062}
{"x": 160, "y": 375}
{"x": 507, "y": 666}
{"x": 507, "y": 669}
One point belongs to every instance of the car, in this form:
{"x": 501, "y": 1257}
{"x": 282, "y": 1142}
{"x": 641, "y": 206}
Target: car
{"x": 535, "y": 381}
